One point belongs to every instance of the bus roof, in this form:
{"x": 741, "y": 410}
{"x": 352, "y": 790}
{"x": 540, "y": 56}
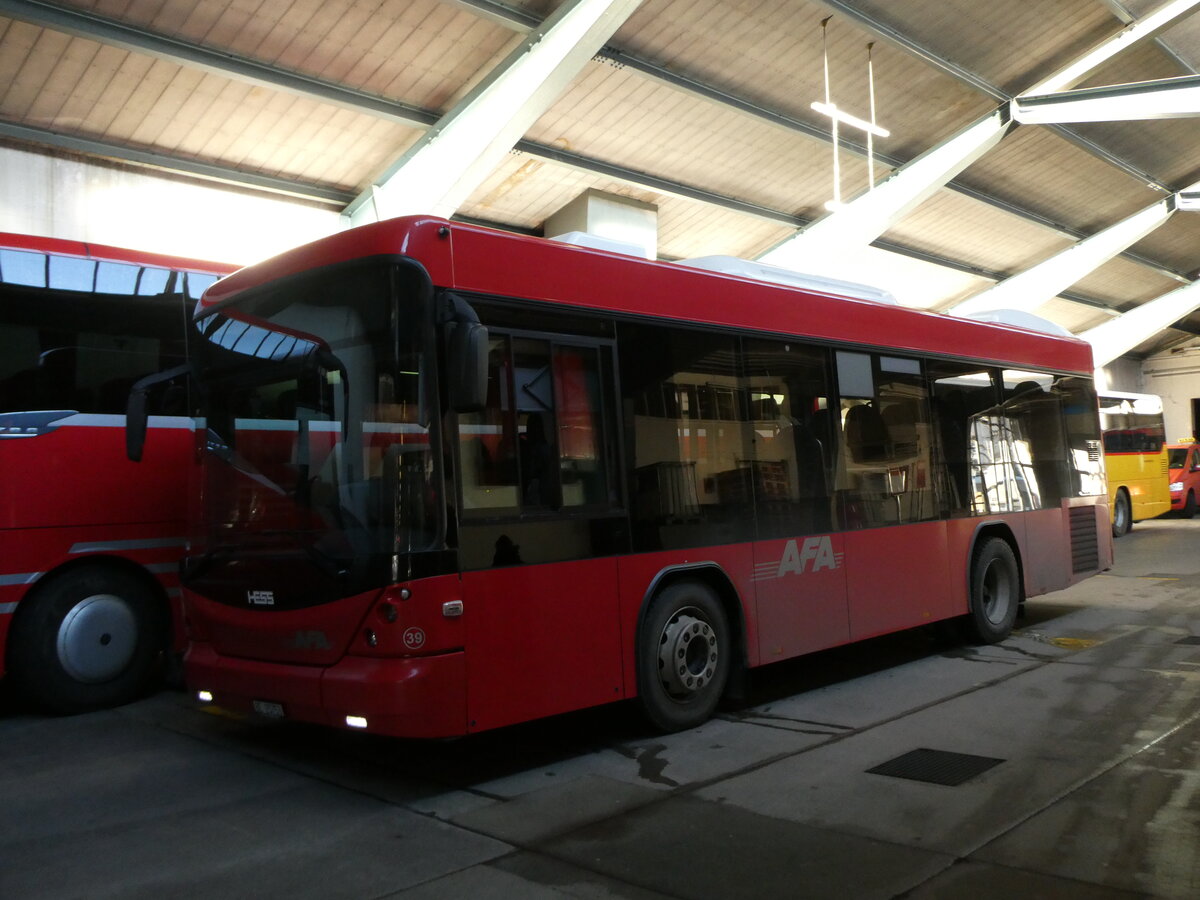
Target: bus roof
{"x": 474, "y": 259}
{"x": 88, "y": 250}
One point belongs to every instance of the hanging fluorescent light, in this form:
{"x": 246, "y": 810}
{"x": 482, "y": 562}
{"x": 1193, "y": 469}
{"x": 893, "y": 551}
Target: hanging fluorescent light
{"x": 845, "y": 118}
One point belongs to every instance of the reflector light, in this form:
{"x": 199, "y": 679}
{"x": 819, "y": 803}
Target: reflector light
{"x": 356, "y": 721}
{"x": 204, "y": 696}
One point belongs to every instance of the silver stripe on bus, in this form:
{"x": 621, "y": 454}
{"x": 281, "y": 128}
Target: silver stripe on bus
{"x": 145, "y": 544}
{"x": 22, "y": 578}
{"x": 7, "y": 608}
{"x": 116, "y": 420}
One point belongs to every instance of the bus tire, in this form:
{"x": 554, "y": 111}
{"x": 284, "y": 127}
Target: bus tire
{"x": 684, "y": 656}
{"x": 1122, "y": 514}
{"x": 89, "y": 638}
{"x": 1189, "y": 506}
{"x": 996, "y": 593}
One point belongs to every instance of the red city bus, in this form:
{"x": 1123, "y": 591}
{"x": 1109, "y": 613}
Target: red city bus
{"x": 89, "y": 542}
{"x": 456, "y": 479}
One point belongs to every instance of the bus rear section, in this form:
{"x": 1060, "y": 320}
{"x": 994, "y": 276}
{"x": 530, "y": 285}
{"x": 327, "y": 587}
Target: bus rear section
{"x": 90, "y": 542}
{"x": 493, "y": 478}
{"x": 1136, "y": 460}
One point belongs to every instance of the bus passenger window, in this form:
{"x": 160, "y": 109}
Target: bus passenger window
{"x": 885, "y": 469}
{"x": 960, "y": 393}
{"x": 791, "y": 449}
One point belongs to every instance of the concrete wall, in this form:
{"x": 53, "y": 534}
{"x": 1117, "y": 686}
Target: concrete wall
{"x": 1175, "y": 376}
{"x": 65, "y": 198}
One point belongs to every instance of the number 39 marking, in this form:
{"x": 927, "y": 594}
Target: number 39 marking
{"x": 414, "y": 639}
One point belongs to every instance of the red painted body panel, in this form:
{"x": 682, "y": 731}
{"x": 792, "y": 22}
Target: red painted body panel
{"x": 493, "y": 262}
{"x": 800, "y": 597}
{"x": 422, "y": 697}
{"x": 898, "y": 578}
{"x": 541, "y": 640}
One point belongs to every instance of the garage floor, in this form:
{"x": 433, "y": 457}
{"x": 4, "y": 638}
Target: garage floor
{"x": 1076, "y": 744}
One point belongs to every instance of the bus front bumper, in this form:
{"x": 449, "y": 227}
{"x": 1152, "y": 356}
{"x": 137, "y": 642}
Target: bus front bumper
{"x": 412, "y": 697}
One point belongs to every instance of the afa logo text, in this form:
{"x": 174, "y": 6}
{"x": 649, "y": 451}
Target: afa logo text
{"x": 814, "y": 555}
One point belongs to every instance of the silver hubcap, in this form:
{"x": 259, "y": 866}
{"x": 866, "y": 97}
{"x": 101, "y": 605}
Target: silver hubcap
{"x": 687, "y": 654}
{"x": 97, "y": 638}
{"x": 997, "y": 592}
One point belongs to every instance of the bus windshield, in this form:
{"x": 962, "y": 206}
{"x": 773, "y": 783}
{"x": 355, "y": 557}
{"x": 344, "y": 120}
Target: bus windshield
{"x": 321, "y": 432}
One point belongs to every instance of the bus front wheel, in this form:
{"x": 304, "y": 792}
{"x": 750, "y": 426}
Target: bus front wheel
{"x": 995, "y": 592}
{"x": 684, "y": 656}
{"x": 88, "y": 638}
{"x": 1122, "y": 514}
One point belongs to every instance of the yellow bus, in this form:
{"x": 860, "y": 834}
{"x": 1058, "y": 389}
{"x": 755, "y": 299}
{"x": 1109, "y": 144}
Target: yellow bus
{"x": 1135, "y": 458}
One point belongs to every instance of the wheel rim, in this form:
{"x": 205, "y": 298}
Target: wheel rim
{"x": 1122, "y": 513}
{"x": 97, "y": 638}
{"x": 687, "y": 654}
{"x": 996, "y": 591}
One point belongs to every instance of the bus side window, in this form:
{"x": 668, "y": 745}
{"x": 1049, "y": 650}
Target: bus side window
{"x": 960, "y": 392}
{"x": 792, "y": 449}
{"x": 885, "y": 469}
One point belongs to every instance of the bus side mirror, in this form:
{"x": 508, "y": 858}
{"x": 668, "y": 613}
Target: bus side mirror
{"x": 136, "y": 408}
{"x": 467, "y": 366}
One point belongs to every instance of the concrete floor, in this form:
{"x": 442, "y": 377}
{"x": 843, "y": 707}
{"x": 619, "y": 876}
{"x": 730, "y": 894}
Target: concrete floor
{"x": 1092, "y": 710}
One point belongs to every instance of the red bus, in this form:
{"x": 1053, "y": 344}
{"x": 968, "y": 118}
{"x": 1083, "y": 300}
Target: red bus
{"x": 456, "y": 479}
{"x": 89, "y": 542}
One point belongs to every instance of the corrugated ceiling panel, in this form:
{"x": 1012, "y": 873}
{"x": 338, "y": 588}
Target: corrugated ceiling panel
{"x": 129, "y": 98}
{"x": 1075, "y": 317}
{"x": 1040, "y": 170}
{"x": 1175, "y": 243}
{"x": 771, "y": 53}
{"x": 1124, "y": 284}
{"x": 617, "y": 115}
{"x": 959, "y": 227}
{"x": 422, "y": 52}
{"x": 1010, "y": 43}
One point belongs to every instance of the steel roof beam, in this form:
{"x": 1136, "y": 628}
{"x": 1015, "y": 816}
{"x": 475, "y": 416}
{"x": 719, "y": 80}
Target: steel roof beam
{"x": 1112, "y": 339}
{"x": 437, "y": 173}
{"x": 1164, "y": 98}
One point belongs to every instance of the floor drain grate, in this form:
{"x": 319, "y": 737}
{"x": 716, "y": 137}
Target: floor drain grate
{"x": 1190, "y": 639}
{"x": 936, "y": 766}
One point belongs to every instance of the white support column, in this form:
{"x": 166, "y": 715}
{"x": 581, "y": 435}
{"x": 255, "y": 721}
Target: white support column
{"x": 1036, "y": 285}
{"x": 1118, "y": 336}
{"x": 1165, "y": 98}
{"x": 438, "y": 172}
{"x": 865, "y": 218}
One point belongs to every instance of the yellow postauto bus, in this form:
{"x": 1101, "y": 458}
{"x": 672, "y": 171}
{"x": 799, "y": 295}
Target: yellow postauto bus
{"x": 1135, "y": 458}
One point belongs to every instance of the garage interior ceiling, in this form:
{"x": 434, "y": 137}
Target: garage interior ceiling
{"x": 699, "y": 107}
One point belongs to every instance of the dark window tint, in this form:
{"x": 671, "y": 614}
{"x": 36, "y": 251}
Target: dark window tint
{"x": 792, "y": 448}
{"x": 687, "y": 433}
{"x": 884, "y": 474}
{"x": 960, "y": 392}
{"x": 76, "y": 345}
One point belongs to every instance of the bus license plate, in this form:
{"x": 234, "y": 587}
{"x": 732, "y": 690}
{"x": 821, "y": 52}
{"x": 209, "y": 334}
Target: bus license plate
{"x": 268, "y": 709}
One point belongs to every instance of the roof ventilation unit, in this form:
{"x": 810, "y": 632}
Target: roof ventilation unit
{"x": 595, "y": 242}
{"x": 748, "y": 268}
{"x": 1020, "y": 319}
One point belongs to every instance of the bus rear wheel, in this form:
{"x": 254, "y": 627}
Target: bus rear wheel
{"x": 1122, "y": 514}
{"x": 995, "y": 592}
{"x": 88, "y": 638}
{"x": 683, "y": 657}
